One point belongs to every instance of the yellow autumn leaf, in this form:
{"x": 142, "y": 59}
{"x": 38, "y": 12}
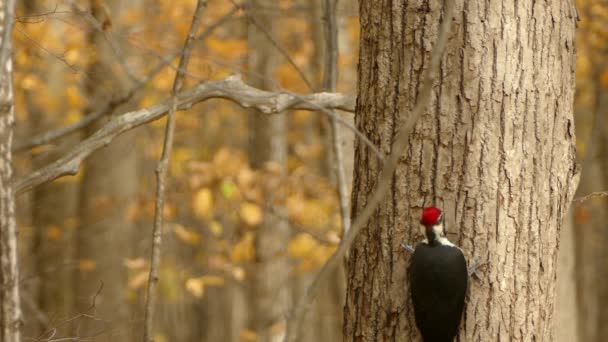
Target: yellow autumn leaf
{"x": 72, "y": 56}
{"x": 245, "y": 178}
{"x": 74, "y": 97}
{"x": 228, "y": 49}
{"x": 248, "y": 336}
{"x": 135, "y": 263}
{"x": 238, "y": 273}
{"x": 216, "y": 228}
{"x": 29, "y": 82}
{"x": 158, "y": 337}
{"x": 86, "y": 265}
{"x": 251, "y": 214}
{"x": 138, "y": 280}
{"x": 148, "y": 100}
{"x": 187, "y": 235}
{"x": 301, "y": 246}
{"x": 196, "y": 286}
{"x": 212, "y": 280}
{"x": 202, "y": 203}
{"x": 53, "y": 232}
{"x": 244, "y": 249}
{"x": 72, "y": 117}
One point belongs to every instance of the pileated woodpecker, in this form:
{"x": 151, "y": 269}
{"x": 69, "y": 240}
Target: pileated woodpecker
{"x": 438, "y": 279}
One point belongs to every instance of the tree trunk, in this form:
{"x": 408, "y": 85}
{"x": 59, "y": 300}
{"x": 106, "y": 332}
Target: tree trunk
{"x": 267, "y": 144}
{"x": 109, "y": 187}
{"x": 601, "y": 264}
{"x": 590, "y": 216}
{"x": 566, "y": 303}
{"x": 494, "y": 149}
{"x": 10, "y": 311}
{"x": 53, "y": 207}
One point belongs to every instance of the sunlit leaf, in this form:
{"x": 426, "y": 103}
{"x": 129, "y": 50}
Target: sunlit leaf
{"x": 196, "y": 287}
{"x": 244, "y": 249}
{"x": 87, "y": 265}
{"x": 202, "y": 203}
{"x": 251, "y": 214}
{"x": 301, "y": 245}
{"x": 187, "y": 235}
{"x": 53, "y": 232}
{"x": 135, "y": 263}
{"x": 138, "y": 280}
{"x": 238, "y": 273}
{"x": 216, "y": 228}
{"x": 248, "y": 336}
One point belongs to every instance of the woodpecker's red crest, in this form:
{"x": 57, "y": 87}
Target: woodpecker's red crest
{"x": 430, "y": 216}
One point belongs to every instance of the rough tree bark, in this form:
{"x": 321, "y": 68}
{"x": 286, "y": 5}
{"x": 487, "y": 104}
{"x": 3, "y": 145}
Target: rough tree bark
{"x": 494, "y": 149}
{"x": 10, "y": 312}
{"x": 267, "y": 144}
{"x": 109, "y": 186}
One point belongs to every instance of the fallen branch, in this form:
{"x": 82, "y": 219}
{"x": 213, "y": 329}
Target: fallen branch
{"x": 231, "y": 88}
{"x": 398, "y": 146}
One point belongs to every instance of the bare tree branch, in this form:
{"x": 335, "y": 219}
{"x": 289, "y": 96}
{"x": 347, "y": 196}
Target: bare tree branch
{"x": 406, "y": 125}
{"x": 161, "y": 175}
{"x": 231, "y": 88}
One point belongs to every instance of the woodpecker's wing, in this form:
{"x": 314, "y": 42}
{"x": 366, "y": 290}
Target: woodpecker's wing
{"x": 438, "y": 280}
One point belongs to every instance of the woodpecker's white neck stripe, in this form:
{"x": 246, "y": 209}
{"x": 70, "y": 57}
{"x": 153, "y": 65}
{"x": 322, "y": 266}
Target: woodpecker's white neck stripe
{"x": 439, "y": 236}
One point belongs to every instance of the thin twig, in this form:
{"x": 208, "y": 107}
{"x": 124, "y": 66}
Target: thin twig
{"x": 161, "y": 176}
{"x": 231, "y": 88}
{"x": 329, "y": 84}
{"x": 582, "y": 199}
{"x": 399, "y": 145}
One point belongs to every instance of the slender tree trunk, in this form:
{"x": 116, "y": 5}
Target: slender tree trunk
{"x": 53, "y": 208}
{"x": 602, "y": 238}
{"x": 494, "y": 149}
{"x": 566, "y": 320}
{"x": 267, "y": 144}
{"x": 10, "y": 311}
{"x": 590, "y": 219}
{"x": 109, "y": 187}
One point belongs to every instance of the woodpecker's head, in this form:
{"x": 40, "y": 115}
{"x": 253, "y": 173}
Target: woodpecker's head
{"x": 432, "y": 220}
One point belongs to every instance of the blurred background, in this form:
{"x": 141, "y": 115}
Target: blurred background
{"x": 252, "y": 209}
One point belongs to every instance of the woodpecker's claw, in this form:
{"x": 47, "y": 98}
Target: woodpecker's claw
{"x": 472, "y": 270}
{"x": 407, "y": 247}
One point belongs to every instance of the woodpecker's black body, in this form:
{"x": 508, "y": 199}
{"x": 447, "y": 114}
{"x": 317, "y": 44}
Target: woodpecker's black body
{"x": 438, "y": 281}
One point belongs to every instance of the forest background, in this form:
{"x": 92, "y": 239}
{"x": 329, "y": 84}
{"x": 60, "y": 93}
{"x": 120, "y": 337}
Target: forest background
{"x": 255, "y": 204}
